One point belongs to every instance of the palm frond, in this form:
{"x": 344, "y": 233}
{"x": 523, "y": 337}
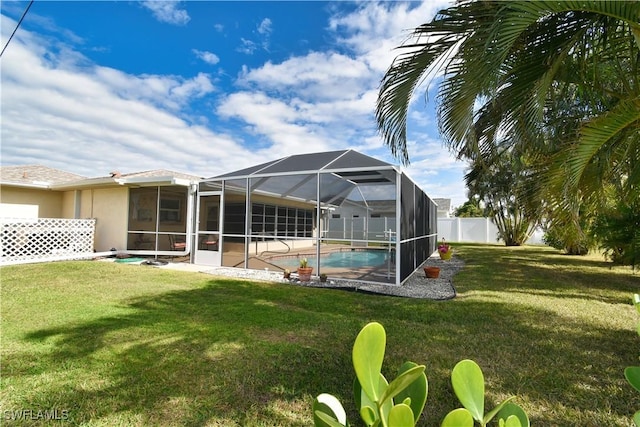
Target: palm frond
{"x": 594, "y": 136}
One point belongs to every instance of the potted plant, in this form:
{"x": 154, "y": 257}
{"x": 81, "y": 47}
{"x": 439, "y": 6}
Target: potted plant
{"x": 432, "y": 272}
{"x": 323, "y": 277}
{"x": 287, "y": 273}
{"x": 445, "y": 250}
{"x": 304, "y": 271}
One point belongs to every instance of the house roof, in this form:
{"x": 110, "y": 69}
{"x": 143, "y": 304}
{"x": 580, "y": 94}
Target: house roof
{"x": 161, "y": 173}
{"x": 45, "y": 177}
{"x": 443, "y": 204}
{"x": 35, "y": 176}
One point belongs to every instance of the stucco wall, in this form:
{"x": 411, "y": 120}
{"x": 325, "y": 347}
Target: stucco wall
{"x": 69, "y": 204}
{"x": 49, "y": 202}
{"x": 110, "y": 208}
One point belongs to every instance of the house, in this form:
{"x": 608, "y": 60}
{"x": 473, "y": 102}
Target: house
{"x": 263, "y": 217}
{"x": 146, "y": 213}
{"x": 444, "y": 207}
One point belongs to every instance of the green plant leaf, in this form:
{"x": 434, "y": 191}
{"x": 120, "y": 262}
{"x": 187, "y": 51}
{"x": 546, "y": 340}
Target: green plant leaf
{"x": 368, "y": 415}
{"x": 512, "y": 421}
{"x": 329, "y": 405}
{"x": 636, "y": 418}
{"x": 513, "y": 410}
{"x": 368, "y": 354}
{"x": 401, "y": 416}
{"x": 358, "y": 393}
{"x": 363, "y": 401}
{"x": 325, "y": 420}
{"x": 458, "y": 418}
{"x": 401, "y": 382}
{"x": 632, "y": 374}
{"x": 636, "y": 301}
{"x": 468, "y": 384}
{"x": 489, "y": 416}
{"x": 384, "y": 407}
{"x": 416, "y": 391}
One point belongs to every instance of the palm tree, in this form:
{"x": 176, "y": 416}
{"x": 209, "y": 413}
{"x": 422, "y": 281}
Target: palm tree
{"x": 556, "y": 79}
{"x": 498, "y": 186}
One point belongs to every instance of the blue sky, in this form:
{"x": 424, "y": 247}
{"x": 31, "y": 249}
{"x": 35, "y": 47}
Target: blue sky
{"x": 208, "y": 87}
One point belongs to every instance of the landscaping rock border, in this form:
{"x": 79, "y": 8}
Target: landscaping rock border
{"x": 416, "y": 286}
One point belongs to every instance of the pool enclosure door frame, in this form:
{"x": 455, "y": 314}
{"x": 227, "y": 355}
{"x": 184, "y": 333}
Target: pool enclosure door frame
{"x": 208, "y": 229}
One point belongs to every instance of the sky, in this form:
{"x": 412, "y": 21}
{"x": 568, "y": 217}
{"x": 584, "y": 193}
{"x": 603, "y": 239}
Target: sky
{"x": 209, "y": 87}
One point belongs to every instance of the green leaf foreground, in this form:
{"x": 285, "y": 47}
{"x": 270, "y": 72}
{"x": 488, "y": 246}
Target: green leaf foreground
{"x": 401, "y": 402}
{"x": 368, "y": 354}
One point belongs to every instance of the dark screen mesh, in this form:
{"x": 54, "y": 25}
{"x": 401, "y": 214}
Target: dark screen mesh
{"x": 276, "y": 210}
{"x": 407, "y": 229}
{"x": 407, "y": 259}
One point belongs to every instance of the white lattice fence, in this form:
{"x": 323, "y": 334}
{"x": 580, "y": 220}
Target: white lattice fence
{"x": 45, "y": 239}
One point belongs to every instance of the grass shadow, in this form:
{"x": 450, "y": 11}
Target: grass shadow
{"x": 189, "y": 357}
{"x": 233, "y": 352}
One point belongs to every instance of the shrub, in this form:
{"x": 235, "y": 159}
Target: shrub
{"x": 618, "y": 231}
{"x": 632, "y": 373}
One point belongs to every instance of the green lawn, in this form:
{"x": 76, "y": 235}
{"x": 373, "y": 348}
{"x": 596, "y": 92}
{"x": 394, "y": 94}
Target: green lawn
{"x": 116, "y": 344}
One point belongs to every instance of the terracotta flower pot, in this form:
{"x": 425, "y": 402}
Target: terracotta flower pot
{"x": 432, "y": 272}
{"x": 304, "y": 273}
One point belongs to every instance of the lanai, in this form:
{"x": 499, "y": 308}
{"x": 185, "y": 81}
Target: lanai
{"x": 342, "y": 210}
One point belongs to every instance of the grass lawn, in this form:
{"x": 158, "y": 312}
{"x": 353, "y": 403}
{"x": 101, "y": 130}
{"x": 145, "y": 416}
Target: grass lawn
{"x": 121, "y": 345}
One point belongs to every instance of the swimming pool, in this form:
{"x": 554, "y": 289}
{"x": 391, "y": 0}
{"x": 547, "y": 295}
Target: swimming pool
{"x": 340, "y": 259}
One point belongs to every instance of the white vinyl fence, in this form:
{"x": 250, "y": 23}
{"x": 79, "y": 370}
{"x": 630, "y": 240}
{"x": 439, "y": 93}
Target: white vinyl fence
{"x": 363, "y": 229}
{"x": 26, "y": 240}
{"x": 475, "y": 230}
{"x": 469, "y": 230}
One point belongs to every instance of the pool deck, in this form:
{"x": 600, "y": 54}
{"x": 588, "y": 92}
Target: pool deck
{"x": 376, "y": 274}
{"x": 416, "y": 286}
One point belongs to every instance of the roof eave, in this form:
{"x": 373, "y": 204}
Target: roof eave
{"x": 43, "y": 186}
{"x": 132, "y": 181}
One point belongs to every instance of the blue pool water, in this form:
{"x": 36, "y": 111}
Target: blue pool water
{"x": 345, "y": 259}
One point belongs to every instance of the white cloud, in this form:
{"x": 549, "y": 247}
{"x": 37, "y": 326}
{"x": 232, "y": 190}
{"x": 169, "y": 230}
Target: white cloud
{"x": 208, "y": 57}
{"x": 319, "y": 75}
{"x": 264, "y": 27}
{"x": 92, "y": 119}
{"x": 171, "y": 92}
{"x": 263, "y": 31}
{"x": 280, "y": 124}
{"x": 375, "y": 29}
{"x": 247, "y": 46}
{"x": 167, "y": 11}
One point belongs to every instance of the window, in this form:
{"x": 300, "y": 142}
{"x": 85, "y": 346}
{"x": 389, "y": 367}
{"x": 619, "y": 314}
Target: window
{"x": 270, "y": 220}
{"x": 155, "y": 212}
{"x": 335, "y": 216}
{"x": 234, "y": 218}
{"x": 170, "y": 210}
